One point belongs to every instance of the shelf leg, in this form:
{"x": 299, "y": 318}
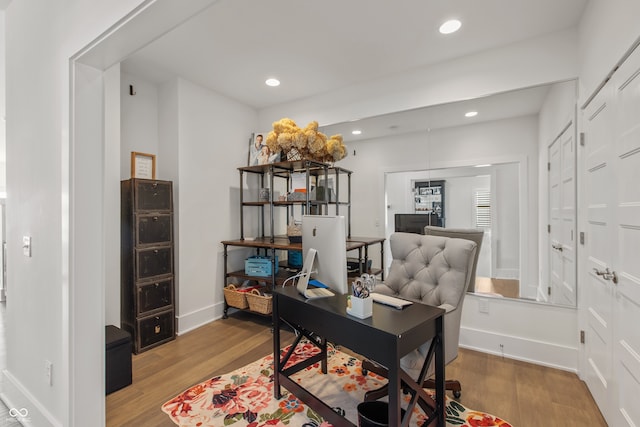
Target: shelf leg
{"x": 224, "y": 283}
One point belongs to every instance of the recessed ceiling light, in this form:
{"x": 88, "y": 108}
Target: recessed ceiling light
{"x": 272, "y": 82}
{"x": 451, "y": 26}
{"x": 356, "y": 132}
{"x": 471, "y": 114}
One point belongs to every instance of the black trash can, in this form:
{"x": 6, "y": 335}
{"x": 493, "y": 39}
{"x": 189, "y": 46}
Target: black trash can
{"x": 118, "y": 359}
{"x": 374, "y": 414}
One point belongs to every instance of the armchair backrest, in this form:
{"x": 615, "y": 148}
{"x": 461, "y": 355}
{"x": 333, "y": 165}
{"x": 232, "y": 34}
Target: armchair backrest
{"x": 461, "y": 233}
{"x": 432, "y": 270}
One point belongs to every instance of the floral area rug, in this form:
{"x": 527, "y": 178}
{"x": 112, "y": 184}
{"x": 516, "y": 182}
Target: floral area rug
{"x": 244, "y": 397}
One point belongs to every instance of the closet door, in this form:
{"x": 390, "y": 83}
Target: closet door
{"x": 626, "y": 347}
{"x": 599, "y": 291}
{"x": 612, "y": 286}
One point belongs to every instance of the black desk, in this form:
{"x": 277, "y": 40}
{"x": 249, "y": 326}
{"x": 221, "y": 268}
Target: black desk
{"x": 385, "y": 337}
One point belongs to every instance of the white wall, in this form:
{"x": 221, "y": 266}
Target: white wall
{"x": 112, "y": 167}
{"x": 56, "y": 312}
{"x": 3, "y": 98}
{"x": 606, "y": 31}
{"x": 139, "y": 121}
{"x": 213, "y": 135}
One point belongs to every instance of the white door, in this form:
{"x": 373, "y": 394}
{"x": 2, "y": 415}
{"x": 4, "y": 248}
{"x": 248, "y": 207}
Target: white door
{"x": 626, "y": 264}
{"x": 612, "y": 288}
{"x": 555, "y": 223}
{"x": 600, "y": 247}
{"x": 562, "y": 217}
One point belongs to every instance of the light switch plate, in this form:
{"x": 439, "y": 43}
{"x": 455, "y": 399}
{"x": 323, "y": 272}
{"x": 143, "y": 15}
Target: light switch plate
{"x": 26, "y": 246}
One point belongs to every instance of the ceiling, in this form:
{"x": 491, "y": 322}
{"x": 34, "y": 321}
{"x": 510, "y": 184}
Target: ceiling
{"x": 314, "y": 47}
{"x": 516, "y": 103}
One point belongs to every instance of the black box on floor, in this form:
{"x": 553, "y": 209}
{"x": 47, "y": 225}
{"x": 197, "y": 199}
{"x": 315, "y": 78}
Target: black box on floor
{"x": 118, "y": 358}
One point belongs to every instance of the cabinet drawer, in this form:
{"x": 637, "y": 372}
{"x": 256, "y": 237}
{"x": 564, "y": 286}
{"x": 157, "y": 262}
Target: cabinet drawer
{"x": 154, "y": 295}
{"x": 156, "y": 261}
{"x": 155, "y": 329}
{"x": 154, "y": 229}
{"x": 153, "y": 195}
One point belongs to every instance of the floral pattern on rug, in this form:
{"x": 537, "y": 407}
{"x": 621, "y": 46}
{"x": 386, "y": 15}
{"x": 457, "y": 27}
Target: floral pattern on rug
{"x": 244, "y": 397}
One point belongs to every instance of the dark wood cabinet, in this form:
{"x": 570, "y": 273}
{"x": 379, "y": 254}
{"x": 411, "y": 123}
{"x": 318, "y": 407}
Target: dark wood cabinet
{"x": 147, "y": 308}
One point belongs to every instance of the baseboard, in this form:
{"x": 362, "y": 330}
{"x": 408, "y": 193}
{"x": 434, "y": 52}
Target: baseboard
{"x": 26, "y": 408}
{"x": 525, "y": 350}
{"x": 190, "y": 321}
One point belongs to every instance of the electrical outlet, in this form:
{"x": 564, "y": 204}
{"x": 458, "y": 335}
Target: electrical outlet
{"x": 48, "y": 372}
{"x": 483, "y": 306}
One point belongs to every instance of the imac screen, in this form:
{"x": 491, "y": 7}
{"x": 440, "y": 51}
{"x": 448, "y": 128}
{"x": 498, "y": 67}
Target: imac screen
{"x": 326, "y": 234}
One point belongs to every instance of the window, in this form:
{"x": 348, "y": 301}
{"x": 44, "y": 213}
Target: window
{"x": 483, "y": 208}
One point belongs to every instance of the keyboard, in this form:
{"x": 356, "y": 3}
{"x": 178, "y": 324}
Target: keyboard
{"x": 318, "y": 293}
{"x": 390, "y": 301}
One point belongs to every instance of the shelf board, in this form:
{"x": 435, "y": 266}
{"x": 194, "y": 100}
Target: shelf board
{"x": 282, "y": 275}
{"x": 299, "y": 165}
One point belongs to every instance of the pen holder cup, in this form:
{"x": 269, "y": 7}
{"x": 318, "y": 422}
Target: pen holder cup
{"x": 360, "y": 307}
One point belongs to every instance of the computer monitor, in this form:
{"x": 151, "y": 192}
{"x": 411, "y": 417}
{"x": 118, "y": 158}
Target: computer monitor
{"x": 326, "y": 234}
{"x": 415, "y": 223}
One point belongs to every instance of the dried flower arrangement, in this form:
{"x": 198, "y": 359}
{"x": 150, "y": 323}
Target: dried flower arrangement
{"x": 305, "y": 143}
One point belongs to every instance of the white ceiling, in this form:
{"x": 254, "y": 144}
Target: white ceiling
{"x": 318, "y": 46}
{"x": 510, "y": 104}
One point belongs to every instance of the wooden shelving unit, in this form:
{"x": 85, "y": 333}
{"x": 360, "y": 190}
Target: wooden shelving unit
{"x": 269, "y": 242}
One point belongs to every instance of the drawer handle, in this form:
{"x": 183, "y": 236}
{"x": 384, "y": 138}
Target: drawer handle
{"x": 155, "y": 251}
{"x": 157, "y": 329}
{"x": 155, "y": 194}
{"x": 157, "y": 284}
{"x": 154, "y": 185}
{"x": 155, "y": 218}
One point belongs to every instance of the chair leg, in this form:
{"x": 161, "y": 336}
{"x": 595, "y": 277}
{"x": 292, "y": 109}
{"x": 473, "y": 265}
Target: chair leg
{"x": 368, "y": 366}
{"x": 452, "y": 385}
{"x": 376, "y": 394}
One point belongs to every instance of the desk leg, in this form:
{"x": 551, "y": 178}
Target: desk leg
{"x": 323, "y": 349}
{"x": 276, "y": 348}
{"x": 440, "y": 396}
{"x": 394, "y": 394}
{"x": 382, "y": 260}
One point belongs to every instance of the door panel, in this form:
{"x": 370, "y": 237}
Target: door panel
{"x": 562, "y": 217}
{"x": 626, "y": 354}
{"x": 555, "y": 220}
{"x": 568, "y": 215}
{"x": 599, "y": 185}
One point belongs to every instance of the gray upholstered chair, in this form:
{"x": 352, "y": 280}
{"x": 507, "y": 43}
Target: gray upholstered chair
{"x": 461, "y": 233}
{"x": 430, "y": 270}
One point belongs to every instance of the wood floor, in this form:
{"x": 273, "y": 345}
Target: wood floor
{"x": 508, "y": 288}
{"x": 522, "y": 393}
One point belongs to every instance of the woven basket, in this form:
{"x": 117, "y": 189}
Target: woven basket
{"x": 260, "y": 303}
{"x": 234, "y": 298}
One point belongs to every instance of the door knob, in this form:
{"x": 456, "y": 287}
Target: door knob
{"x": 557, "y": 247}
{"x": 607, "y": 274}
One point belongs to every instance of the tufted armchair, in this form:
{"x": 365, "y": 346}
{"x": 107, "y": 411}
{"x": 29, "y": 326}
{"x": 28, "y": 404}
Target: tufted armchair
{"x": 461, "y": 233}
{"x": 429, "y": 270}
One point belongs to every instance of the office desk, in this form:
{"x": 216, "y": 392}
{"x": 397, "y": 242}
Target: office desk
{"x": 385, "y": 337}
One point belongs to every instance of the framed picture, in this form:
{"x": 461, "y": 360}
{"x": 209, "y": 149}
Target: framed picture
{"x": 259, "y": 153}
{"x": 143, "y": 165}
